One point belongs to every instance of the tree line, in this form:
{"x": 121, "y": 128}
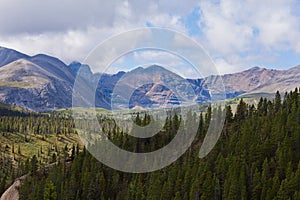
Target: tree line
{"x": 13, "y": 160}
{"x": 256, "y": 157}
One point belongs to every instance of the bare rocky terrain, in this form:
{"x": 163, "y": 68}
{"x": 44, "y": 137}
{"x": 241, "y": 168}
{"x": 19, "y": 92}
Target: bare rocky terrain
{"x": 43, "y": 83}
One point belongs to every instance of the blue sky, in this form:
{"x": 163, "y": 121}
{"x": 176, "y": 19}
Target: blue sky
{"x": 144, "y": 58}
{"x": 237, "y": 35}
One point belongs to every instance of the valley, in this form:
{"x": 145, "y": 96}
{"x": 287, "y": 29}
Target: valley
{"x": 37, "y": 129}
{"x": 255, "y": 138}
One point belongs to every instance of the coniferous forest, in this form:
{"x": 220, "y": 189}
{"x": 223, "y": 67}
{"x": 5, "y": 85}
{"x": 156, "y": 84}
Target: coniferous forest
{"x": 30, "y": 141}
{"x": 256, "y": 157}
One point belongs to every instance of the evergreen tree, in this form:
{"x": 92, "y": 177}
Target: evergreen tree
{"x": 50, "y": 191}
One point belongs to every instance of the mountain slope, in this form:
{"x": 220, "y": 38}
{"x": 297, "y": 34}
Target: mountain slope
{"x": 9, "y": 55}
{"x": 153, "y": 87}
{"x": 241, "y": 82}
{"x": 54, "y": 66}
{"x": 283, "y": 80}
{"x": 42, "y": 82}
{"x": 27, "y": 84}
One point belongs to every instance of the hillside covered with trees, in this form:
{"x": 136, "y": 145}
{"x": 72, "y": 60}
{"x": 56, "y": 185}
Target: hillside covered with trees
{"x": 256, "y": 157}
{"x": 29, "y": 141}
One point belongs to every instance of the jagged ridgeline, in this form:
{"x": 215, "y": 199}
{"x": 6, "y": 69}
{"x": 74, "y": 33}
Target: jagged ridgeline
{"x": 44, "y": 83}
{"x": 256, "y": 157}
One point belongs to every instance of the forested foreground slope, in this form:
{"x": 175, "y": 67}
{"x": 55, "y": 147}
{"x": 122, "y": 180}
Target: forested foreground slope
{"x": 256, "y": 157}
{"x": 29, "y": 141}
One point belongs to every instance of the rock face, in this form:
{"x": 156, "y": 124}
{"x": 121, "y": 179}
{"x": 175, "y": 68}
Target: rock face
{"x": 12, "y": 193}
{"x": 29, "y": 85}
{"x": 261, "y": 80}
{"x": 43, "y": 83}
{"x": 153, "y": 87}
{"x": 282, "y": 80}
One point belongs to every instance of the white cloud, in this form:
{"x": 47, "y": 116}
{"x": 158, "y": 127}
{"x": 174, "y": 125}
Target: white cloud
{"x": 237, "y": 34}
{"x": 69, "y": 30}
{"x": 254, "y": 28}
{"x": 222, "y": 29}
{"x": 147, "y": 57}
{"x": 70, "y": 45}
{"x": 154, "y": 56}
{"x": 241, "y": 34}
{"x": 278, "y": 27}
{"x": 34, "y": 16}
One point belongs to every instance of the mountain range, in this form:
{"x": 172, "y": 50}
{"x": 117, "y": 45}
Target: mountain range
{"x": 43, "y": 83}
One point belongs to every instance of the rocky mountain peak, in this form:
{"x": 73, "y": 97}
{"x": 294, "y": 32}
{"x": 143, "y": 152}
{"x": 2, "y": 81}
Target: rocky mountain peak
{"x": 42, "y": 82}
